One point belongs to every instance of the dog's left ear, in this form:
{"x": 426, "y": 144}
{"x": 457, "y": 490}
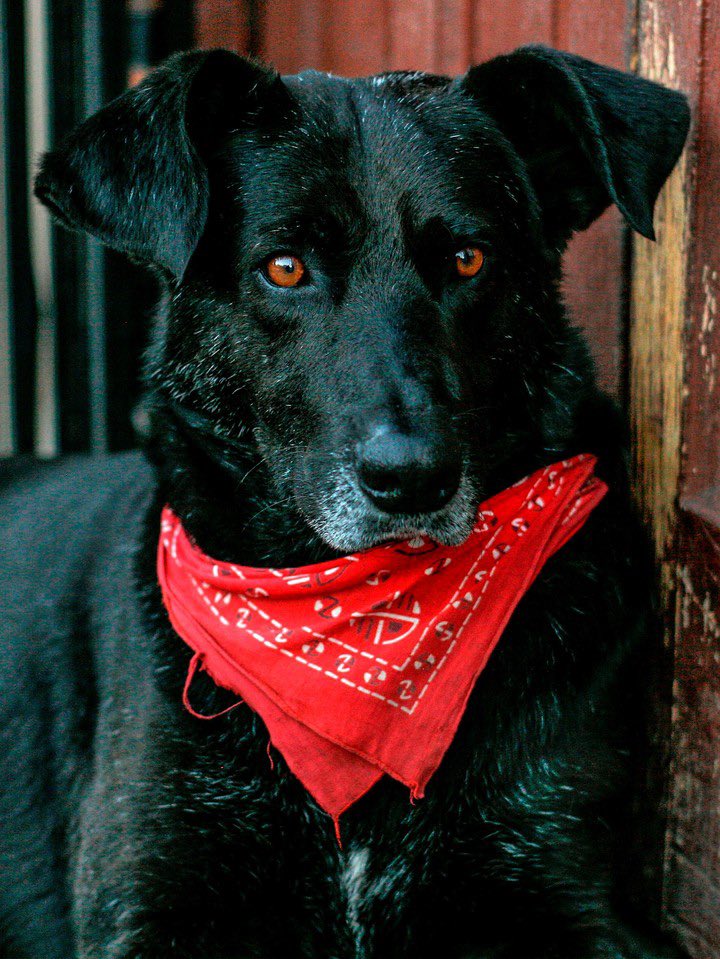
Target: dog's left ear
{"x": 589, "y": 135}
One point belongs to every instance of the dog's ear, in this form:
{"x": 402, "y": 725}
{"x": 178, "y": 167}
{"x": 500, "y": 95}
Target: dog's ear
{"x": 133, "y": 173}
{"x": 590, "y": 135}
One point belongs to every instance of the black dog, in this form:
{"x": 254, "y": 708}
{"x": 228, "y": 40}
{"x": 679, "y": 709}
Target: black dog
{"x": 361, "y": 335}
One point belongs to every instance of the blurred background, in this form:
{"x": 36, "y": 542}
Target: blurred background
{"x": 73, "y": 318}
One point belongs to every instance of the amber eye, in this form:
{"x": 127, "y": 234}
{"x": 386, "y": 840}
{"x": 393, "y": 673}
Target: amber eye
{"x": 469, "y": 261}
{"x": 285, "y": 270}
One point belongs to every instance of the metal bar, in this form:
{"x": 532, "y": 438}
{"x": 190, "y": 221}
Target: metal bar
{"x": 40, "y": 230}
{"x": 7, "y": 430}
{"x": 23, "y": 319}
{"x": 94, "y": 279}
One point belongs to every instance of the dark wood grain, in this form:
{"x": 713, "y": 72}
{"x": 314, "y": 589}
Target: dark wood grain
{"x": 692, "y": 866}
{"x": 692, "y": 876}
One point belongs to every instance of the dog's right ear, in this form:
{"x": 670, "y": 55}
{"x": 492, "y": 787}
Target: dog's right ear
{"x": 133, "y": 174}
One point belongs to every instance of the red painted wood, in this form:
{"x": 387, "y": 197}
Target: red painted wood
{"x": 583, "y": 28}
{"x": 453, "y": 30}
{"x": 594, "y": 285}
{"x": 499, "y": 28}
{"x": 593, "y": 290}
{"x": 221, "y": 23}
{"x": 692, "y": 879}
{"x": 413, "y": 38}
{"x": 313, "y": 29}
{"x": 702, "y": 435}
{"x": 357, "y": 36}
{"x": 290, "y": 37}
{"x": 704, "y": 505}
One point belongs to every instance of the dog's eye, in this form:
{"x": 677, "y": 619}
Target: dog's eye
{"x": 285, "y": 270}
{"x": 469, "y": 261}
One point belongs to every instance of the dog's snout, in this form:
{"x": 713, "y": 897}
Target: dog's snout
{"x": 406, "y": 473}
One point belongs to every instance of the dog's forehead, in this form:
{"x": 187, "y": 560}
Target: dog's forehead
{"x": 401, "y": 109}
{"x": 366, "y": 114}
{"x": 399, "y": 133}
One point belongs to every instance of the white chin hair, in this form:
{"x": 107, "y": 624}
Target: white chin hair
{"x": 347, "y": 524}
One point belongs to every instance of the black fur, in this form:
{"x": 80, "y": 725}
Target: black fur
{"x": 130, "y": 829}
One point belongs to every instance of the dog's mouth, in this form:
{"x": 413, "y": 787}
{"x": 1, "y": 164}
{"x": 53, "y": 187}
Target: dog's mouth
{"x": 344, "y": 518}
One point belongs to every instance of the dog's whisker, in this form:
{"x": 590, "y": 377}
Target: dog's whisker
{"x": 273, "y": 504}
{"x": 255, "y": 466}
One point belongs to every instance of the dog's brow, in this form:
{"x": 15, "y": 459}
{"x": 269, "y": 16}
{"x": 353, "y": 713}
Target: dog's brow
{"x": 451, "y": 224}
{"x": 285, "y": 232}
{"x": 325, "y": 213}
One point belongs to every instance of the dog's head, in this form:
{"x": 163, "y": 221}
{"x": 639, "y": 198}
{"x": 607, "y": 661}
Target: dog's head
{"x": 363, "y": 274}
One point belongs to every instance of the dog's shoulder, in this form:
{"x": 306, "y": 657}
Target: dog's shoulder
{"x": 59, "y": 523}
{"x": 49, "y": 509}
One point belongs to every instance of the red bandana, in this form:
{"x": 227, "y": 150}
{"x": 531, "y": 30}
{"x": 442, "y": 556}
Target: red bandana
{"x": 363, "y": 665}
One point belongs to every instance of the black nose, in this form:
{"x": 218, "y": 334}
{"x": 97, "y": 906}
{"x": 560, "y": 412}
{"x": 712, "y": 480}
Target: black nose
{"x": 404, "y": 473}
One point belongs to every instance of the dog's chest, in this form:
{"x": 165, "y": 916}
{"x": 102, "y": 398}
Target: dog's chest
{"x": 372, "y": 886}
{"x": 355, "y": 881}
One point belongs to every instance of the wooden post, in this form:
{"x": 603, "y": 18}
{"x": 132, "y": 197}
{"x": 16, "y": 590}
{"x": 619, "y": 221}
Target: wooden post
{"x": 658, "y": 301}
{"x": 674, "y": 346}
